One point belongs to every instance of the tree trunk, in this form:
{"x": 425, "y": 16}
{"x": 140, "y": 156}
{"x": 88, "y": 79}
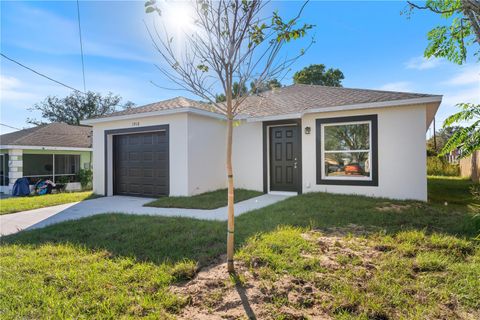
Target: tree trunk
{"x": 231, "y": 216}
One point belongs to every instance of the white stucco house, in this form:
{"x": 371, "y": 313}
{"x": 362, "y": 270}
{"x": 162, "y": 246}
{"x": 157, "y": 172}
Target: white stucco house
{"x": 300, "y": 138}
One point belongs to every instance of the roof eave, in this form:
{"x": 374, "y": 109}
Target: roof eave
{"x": 154, "y": 113}
{"x": 52, "y": 148}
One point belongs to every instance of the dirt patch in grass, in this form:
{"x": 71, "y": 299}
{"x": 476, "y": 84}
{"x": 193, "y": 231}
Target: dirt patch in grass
{"x": 299, "y": 274}
{"x": 392, "y": 207}
{"x": 214, "y": 294}
{"x": 349, "y": 230}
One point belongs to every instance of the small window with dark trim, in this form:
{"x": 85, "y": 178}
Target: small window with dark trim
{"x": 347, "y": 151}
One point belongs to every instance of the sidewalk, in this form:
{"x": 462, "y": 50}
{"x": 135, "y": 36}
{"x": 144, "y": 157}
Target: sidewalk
{"x": 38, "y": 218}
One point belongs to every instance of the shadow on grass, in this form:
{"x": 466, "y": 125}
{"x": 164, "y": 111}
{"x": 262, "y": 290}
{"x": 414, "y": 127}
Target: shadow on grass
{"x": 164, "y": 239}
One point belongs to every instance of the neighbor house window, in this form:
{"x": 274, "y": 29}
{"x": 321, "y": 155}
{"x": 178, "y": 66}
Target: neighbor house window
{"x": 66, "y": 164}
{"x": 37, "y": 165}
{"x": 58, "y": 167}
{"x": 347, "y": 151}
{"x": 4, "y": 169}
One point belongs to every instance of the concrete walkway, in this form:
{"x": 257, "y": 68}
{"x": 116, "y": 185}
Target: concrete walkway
{"x": 38, "y": 218}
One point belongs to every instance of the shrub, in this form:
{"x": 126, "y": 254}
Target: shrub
{"x": 440, "y": 167}
{"x": 431, "y": 153}
{"x": 475, "y": 191}
{"x": 85, "y": 177}
{"x": 62, "y": 183}
{"x": 62, "y": 179}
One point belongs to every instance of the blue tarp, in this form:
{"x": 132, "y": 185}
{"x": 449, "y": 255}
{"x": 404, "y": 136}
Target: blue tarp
{"x": 21, "y": 187}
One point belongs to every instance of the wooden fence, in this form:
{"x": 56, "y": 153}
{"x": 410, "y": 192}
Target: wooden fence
{"x": 470, "y": 166}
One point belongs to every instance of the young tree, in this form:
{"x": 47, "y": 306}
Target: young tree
{"x": 76, "y": 107}
{"x": 226, "y": 41}
{"x": 451, "y": 41}
{"x": 466, "y": 139}
{"x": 316, "y": 74}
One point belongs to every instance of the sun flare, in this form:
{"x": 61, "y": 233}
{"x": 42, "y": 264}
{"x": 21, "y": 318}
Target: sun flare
{"x": 179, "y": 15}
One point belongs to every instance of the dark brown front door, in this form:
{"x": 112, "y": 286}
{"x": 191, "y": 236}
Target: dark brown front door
{"x": 141, "y": 164}
{"x": 284, "y": 159}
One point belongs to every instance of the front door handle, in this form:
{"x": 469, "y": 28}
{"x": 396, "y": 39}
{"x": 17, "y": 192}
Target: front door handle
{"x": 295, "y": 165}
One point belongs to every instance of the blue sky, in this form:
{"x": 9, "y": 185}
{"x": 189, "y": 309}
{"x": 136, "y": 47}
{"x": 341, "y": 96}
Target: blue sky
{"x": 370, "y": 42}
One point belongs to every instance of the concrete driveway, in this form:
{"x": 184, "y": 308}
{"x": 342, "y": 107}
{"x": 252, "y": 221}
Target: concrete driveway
{"x": 38, "y": 218}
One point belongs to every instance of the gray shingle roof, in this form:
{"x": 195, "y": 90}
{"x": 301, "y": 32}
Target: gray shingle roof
{"x": 296, "y": 98}
{"x": 50, "y": 135}
{"x": 174, "y": 103}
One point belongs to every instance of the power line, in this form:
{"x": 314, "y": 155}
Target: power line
{"x": 6, "y": 125}
{"x": 81, "y": 44}
{"x": 40, "y": 74}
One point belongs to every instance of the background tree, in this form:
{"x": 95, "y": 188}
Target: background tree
{"x": 316, "y": 74}
{"x": 451, "y": 41}
{"x": 264, "y": 86}
{"x": 237, "y": 92}
{"x": 76, "y": 107}
{"x": 226, "y": 41}
{"x": 220, "y": 98}
{"x": 441, "y": 137}
{"x": 466, "y": 139}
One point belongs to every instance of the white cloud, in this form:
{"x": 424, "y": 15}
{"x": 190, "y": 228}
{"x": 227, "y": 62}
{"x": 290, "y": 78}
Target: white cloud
{"x": 470, "y": 74}
{"x": 17, "y": 94}
{"x": 397, "y": 86}
{"x": 471, "y": 95}
{"x": 13, "y": 90}
{"x": 7, "y": 83}
{"x": 422, "y": 63}
{"x": 462, "y": 88}
{"x": 451, "y": 97}
{"x": 54, "y": 27}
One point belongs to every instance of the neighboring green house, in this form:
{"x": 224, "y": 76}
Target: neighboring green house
{"x": 56, "y": 151}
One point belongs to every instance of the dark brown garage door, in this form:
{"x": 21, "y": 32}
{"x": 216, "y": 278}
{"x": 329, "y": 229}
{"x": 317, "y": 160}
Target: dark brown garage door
{"x": 141, "y": 164}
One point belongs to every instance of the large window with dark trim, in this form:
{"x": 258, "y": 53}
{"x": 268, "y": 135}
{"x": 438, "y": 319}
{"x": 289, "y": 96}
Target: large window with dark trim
{"x": 347, "y": 150}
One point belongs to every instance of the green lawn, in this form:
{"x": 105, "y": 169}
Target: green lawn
{"x": 208, "y": 200}
{"x": 406, "y": 275}
{"x": 16, "y": 204}
{"x": 451, "y": 190}
{"x": 426, "y": 264}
